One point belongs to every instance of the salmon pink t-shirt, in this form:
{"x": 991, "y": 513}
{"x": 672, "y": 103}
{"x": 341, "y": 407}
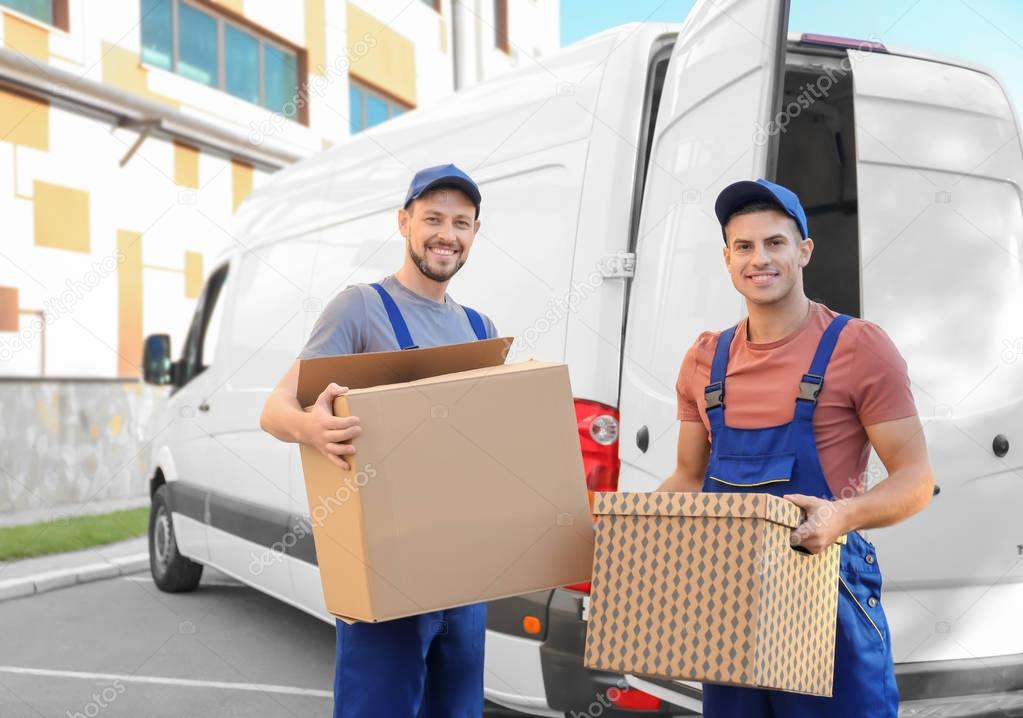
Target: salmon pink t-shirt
{"x": 866, "y": 383}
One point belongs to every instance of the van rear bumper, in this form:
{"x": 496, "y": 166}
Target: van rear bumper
{"x": 970, "y": 679}
{"x": 977, "y": 687}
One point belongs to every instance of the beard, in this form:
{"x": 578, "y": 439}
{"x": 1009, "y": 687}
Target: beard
{"x": 428, "y": 272}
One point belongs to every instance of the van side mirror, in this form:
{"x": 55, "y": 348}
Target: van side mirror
{"x": 156, "y": 359}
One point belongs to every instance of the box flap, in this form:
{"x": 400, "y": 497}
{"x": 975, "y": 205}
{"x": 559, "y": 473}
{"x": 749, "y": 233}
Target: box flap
{"x": 358, "y": 371}
{"x": 487, "y": 371}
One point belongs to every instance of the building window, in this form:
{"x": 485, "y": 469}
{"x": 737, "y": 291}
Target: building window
{"x": 187, "y": 38}
{"x": 501, "y": 25}
{"x": 52, "y": 12}
{"x": 367, "y": 107}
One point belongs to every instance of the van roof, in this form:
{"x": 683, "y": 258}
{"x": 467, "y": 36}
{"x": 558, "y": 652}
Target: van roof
{"x": 372, "y": 169}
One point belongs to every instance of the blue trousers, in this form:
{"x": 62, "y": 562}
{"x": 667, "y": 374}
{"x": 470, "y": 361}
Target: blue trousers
{"x": 426, "y": 666}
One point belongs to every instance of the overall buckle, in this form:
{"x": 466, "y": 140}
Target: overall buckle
{"x": 715, "y": 395}
{"x": 810, "y": 388}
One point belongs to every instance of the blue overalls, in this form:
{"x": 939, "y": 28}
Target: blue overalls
{"x": 740, "y": 459}
{"x": 425, "y": 666}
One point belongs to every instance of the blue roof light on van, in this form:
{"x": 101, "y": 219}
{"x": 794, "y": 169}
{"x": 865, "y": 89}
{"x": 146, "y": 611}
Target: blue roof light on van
{"x": 848, "y": 43}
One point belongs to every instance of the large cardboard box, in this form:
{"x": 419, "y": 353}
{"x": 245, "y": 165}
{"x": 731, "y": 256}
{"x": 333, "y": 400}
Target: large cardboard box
{"x": 467, "y": 483}
{"x": 706, "y": 587}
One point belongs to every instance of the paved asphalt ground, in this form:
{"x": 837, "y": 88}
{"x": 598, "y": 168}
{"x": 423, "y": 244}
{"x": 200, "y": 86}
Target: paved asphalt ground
{"x": 121, "y": 648}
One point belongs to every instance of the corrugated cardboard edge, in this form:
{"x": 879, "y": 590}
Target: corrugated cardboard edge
{"x": 375, "y": 368}
{"x": 705, "y": 504}
{"x": 487, "y": 372}
{"x": 483, "y": 599}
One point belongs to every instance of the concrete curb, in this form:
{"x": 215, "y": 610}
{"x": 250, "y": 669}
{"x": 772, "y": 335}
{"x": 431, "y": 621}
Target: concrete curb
{"x": 62, "y": 578}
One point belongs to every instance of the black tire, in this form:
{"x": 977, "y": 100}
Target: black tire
{"x": 172, "y": 572}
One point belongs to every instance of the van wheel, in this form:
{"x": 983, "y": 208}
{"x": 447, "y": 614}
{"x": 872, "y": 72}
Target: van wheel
{"x": 171, "y": 571}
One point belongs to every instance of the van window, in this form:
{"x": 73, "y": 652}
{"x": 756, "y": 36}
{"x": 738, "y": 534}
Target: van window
{"x": 651, "y": 102}
{"x": 197, "y": 354}
{"x": 265, "y": 331}
{"x": 817, "y": 160}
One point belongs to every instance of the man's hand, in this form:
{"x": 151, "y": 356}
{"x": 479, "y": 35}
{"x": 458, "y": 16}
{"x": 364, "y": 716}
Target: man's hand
{"x": 329, "y": 434}
{"x": 908, "y": 489}
{"x": 825, "y": 521}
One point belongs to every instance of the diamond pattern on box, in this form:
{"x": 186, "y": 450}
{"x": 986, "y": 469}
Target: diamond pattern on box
{"x": 705, "y": 587}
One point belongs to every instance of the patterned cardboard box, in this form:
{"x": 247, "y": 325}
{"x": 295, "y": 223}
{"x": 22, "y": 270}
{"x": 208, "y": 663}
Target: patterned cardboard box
{"x": 705, "y": 587}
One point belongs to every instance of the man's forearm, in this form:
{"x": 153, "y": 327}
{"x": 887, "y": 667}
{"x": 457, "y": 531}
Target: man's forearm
{"x": 283, "y": 418}
{"x": 895, "y": 499}
{"x": 681, "y": 482}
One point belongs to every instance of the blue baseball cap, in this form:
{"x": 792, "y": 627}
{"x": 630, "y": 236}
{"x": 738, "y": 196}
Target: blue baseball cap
{"x": 443, "y": 176}
{"x": 739, "y": 194}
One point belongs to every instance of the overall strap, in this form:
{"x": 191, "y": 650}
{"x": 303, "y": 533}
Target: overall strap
{"x": 398, "y": 324}
{"x": 813, "y": 381}
{"x": 478, "y": 327}
{"x": 714, "y": 392}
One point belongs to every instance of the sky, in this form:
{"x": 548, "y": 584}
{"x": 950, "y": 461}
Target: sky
{"x": 984, "y": 33}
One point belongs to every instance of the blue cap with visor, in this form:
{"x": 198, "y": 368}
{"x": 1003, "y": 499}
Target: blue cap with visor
{"x": 443, "y": 176}
{"x": 739, "y": 194}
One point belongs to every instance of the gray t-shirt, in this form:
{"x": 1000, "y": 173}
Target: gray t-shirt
{"x": 355, "y": 321}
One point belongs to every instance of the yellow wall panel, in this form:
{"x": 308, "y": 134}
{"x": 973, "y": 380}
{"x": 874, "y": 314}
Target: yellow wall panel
{"x": 241, "y": 183}
{"x": 129, "y": 303}
{"x": 61, "y": 217}
{"x": 26, "y": 38}
{"x": 443, "y": 35}
{"x": 186, "y": 165}
{"x": 193, "y": 274}
{"x": 389, "y": 64}
{"x": 121, "y": 68}
{"x": 8, "y": 309}
{"x": 316, "y": 36}
{"x": 24, "y": 120}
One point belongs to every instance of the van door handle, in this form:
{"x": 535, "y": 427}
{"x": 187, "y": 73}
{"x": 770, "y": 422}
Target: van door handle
{"x": 204, "y": 407}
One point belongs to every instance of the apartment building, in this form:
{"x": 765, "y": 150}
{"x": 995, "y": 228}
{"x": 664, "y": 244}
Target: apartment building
{"x": 132, "y": 130}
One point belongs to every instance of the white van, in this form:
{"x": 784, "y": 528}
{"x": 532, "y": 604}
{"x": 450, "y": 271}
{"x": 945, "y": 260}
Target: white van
{"x": 599, "y": 247}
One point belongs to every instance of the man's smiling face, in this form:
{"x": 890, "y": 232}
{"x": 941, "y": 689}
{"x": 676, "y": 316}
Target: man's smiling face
{"x": 439, "y": 228}
{"x": 765, "y": 254}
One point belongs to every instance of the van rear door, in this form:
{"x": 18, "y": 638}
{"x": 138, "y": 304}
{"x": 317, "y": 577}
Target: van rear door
{"x": 721, "y": 89}
{"x": 941, "y": 242}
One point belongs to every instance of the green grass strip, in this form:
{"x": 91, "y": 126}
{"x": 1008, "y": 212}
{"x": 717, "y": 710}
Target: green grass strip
{"x": 71, "y": 534}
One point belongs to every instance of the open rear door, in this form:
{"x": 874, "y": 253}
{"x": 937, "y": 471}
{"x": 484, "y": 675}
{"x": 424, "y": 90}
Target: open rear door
{"x": 939, "y": 171}
{"x": 719, "y": 95}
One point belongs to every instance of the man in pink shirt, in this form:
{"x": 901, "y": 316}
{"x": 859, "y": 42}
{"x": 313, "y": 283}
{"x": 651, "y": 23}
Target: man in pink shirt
{"x": 809, "y": 392}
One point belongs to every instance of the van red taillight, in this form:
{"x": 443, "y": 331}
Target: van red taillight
{"x": 598, "y": 438}
{"x": 583, "y": 587}
{"x": 634, "y": 700}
